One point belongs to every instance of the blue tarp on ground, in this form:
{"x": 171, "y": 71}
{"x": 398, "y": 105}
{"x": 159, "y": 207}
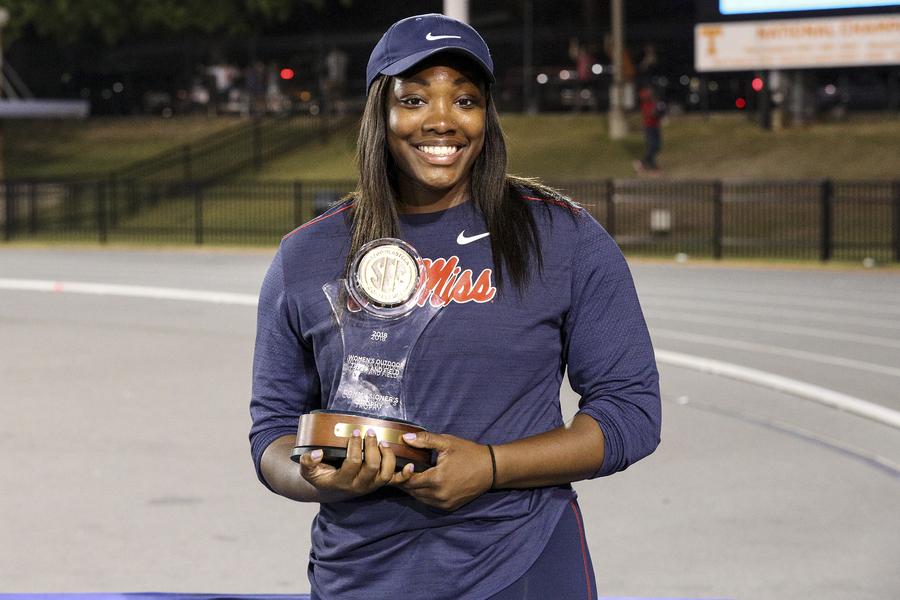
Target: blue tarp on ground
{"x": 153, "y": 596}
{"x": 176, "y": 596}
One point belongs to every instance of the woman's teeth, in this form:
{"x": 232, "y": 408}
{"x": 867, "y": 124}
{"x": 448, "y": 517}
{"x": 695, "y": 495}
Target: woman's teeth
{"x": 438, "y": 150}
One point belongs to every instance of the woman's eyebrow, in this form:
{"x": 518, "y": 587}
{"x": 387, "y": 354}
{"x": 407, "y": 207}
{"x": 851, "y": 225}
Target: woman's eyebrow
{"x": 414, "y": 80}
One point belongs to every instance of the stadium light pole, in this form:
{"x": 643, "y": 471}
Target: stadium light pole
{"x": 4, "y": 19}
{"x": 457, "y": 9}
{"x": 529, "y": 104}
{"x": 618, "y": 128}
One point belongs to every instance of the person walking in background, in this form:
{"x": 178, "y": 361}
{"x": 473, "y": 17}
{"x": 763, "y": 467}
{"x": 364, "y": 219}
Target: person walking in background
{"x": 651, "y": 113}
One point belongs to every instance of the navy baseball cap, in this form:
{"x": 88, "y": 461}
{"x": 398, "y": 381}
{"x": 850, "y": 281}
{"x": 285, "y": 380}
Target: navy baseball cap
{"x": 412, "y": 40}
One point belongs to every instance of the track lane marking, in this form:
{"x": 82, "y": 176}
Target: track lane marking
{"x": 129, "y": 291}
{"x": 856, "y": 338}
{"x": 844, "y": 402}
{"x": 792, "y": 300}
{"x": 825, "y": 317}
{"x": 815, "y": 393}
{"x": 776, "y": 350}
{"x": 875, "y": 460}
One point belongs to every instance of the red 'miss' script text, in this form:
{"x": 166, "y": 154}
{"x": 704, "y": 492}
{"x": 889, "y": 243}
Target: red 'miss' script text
{"x": 446, "y": 282}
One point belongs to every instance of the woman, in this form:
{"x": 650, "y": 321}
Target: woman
{"x": 531, "y": 286}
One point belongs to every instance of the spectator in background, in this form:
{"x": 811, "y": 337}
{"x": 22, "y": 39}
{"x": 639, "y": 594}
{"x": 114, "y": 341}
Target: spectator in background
{"x": 335, "y": 80}
{"x": 255, "y": 80}
{"x": 275, "y": 100}
{"x": 583, "y": 57}
{"x": 198, "y": 96}
{"x": 223, "y": 76}
{"x": 651, "y": 113}
{"x": 649, "y": 62}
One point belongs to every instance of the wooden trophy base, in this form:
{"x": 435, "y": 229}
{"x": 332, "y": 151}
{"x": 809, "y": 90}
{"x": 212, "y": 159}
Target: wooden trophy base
{"x": 331, "y": 430}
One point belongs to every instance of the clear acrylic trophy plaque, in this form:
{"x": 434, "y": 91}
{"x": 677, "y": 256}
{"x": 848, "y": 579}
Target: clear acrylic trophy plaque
{"x": 377, "y": 312}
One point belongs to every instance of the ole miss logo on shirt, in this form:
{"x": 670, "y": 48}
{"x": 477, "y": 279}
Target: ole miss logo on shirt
{"x": 446, "y": 282}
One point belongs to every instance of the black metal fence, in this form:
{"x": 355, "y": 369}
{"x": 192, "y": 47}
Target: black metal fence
{"x": 793, "y": 219}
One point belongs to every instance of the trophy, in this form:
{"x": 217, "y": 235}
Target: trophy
{"x": 377, "y": 312}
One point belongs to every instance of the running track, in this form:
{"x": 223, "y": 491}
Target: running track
{"x": 123, "y": 434}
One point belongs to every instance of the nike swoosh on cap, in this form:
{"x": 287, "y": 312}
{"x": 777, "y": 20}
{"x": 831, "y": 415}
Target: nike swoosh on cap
{"x": 432, "y": 38}
{"x": 462, "y": 240}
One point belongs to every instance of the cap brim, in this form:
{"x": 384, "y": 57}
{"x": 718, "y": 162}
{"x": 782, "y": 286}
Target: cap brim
{"x": 410, "y": 61}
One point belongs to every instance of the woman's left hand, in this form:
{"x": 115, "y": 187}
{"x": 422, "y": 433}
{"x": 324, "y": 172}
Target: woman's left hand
{"x": 463, "y": 471}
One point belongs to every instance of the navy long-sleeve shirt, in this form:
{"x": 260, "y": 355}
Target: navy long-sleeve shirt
{"x": 488, "y": 368}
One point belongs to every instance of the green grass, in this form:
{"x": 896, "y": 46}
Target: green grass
{"x": 65, "y": 148}
{"x": 564, "y": 146}
{"x": 550, "y": 146}
{"x": 866, "y": 147}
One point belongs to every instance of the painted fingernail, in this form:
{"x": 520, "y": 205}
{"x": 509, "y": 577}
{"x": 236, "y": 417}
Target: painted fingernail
{"x": 356, "y": 433}
{"x": 370, "y": 433}
{"x": 410, "y": 467}
{"x": 316, "y": 454}
{"x": 383, "y": 444}
{"x": 409, "y": 436}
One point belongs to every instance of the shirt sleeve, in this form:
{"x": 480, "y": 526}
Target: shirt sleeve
{"x": 285, "y": 381}
{"x": 609, "y": 354}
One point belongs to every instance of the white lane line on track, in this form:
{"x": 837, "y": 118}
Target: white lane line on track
{"x": 844, "y": 402}
{"x": 131, "y": 291}
{"x": 856, "y": 338}
{"x": 768, "y": 298}
{"x": 827, "y": 441}
{"x": 769, "y": 311}
{"x": 818, "y": 394}
{"x": 795, "y": 287}
{"x": 775, "y": 350}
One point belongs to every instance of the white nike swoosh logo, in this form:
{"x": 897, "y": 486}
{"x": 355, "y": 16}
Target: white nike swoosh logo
{"x": 462, "y": 240}
{"x": 432, "y": 38}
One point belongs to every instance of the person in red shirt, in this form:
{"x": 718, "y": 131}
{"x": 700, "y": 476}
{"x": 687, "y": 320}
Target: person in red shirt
{"x": 650, "y": 117}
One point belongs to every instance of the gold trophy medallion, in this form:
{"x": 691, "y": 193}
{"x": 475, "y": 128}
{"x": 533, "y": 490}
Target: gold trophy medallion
{"x": 385, "y": 278}
{"x": 388, "y": 275}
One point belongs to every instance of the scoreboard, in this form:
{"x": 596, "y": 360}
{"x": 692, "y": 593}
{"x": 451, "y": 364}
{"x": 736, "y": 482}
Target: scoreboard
{"x": 748, "y": 35}
{"x": 743, "y": 7}
{"x": 742, "y": 10}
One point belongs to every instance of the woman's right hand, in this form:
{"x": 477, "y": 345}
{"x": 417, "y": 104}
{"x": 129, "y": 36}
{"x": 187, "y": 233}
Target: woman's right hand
{"x": 356, "y": 476}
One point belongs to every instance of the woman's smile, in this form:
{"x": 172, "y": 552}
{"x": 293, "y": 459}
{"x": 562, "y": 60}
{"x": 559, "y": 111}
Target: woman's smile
{"x": 439, "y": 150}
{"x": 438, "y": 154}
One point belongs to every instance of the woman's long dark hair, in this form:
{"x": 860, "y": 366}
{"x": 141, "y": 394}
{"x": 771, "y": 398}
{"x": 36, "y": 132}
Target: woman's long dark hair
{"x": 500, "y": 196}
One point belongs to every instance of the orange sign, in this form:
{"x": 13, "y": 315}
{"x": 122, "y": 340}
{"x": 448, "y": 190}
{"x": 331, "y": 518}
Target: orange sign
{"x": 798, "y": 43}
